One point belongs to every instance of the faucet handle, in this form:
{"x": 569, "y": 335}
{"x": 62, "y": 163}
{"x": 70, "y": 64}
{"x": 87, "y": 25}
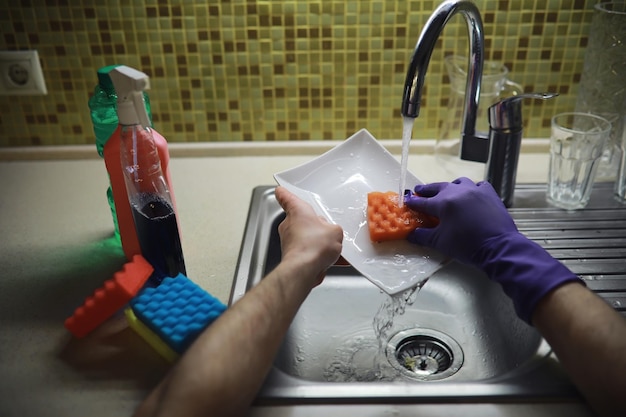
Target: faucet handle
{"x": 507, "y": 113}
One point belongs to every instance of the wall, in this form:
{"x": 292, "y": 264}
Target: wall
{"x": 265, "y": 70}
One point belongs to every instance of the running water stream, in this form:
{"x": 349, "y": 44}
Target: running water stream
{"x": 347, "y": 364}
{"x": 394, "y": 305}
{"x": 407, "y": 132}
{"x": 363, "y": 357}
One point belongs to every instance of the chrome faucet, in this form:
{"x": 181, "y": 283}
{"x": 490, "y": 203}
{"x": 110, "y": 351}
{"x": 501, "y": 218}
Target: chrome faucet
{"x": 474, "y": 147}
{"x": 500, "y": 148}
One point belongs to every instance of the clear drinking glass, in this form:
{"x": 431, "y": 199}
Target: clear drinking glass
{"x": 620, "y": 155}
{"x": 576, "y": 144}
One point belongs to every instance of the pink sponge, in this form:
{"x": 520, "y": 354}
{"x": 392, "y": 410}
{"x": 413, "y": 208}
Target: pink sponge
{"x": 110, "y": 298}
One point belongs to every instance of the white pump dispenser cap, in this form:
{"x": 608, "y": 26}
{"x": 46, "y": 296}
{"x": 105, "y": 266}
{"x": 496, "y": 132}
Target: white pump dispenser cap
{"x": 129, "y": 85}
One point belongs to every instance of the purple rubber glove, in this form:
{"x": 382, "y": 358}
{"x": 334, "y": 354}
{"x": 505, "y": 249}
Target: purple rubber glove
{"x": 475, "y": 228}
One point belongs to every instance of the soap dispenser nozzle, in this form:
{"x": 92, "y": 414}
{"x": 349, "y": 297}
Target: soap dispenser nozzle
{"x": 505, "y": 141}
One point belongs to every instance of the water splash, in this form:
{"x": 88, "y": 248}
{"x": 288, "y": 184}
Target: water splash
{"x": 393, "y": 306}
{"x": 363, "y": 358}
{"x": 358, "y": 361}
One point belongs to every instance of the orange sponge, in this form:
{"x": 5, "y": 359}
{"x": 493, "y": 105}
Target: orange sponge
{"x": 388, "y": 221}
{"x": 111, "y": 297}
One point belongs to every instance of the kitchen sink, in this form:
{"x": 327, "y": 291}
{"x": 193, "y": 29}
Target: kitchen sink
{"x": 455, "y": 337}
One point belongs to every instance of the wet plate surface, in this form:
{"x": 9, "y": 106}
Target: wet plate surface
{"x": 336, "y": 185}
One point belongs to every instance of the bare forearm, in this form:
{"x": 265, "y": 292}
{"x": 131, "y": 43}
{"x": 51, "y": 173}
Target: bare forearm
{"x": 223, "y": 370}
{"x": 589, "y": 338}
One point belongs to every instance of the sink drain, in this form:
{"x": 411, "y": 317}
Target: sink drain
{"x": 424, "y": 354}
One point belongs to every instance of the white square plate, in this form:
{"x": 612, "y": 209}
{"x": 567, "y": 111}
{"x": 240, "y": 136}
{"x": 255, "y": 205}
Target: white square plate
{"x": 336, "y": 184}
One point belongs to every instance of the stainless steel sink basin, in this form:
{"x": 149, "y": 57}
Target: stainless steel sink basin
{"x": 456, "y": 337}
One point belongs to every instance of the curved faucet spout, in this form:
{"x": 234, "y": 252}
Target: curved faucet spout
{"x": 411, "y": 100}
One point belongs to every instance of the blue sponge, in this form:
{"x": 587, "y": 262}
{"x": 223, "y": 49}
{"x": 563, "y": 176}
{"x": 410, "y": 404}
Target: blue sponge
{"x": 177, "y": 311}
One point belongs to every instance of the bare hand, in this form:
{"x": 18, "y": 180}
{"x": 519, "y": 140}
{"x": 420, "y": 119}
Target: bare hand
{"x": 305, "y": 237}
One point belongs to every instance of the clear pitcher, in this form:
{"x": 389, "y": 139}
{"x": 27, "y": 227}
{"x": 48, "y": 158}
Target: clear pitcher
{"x": 495, "y": 85}
{"x": 602, "y": 88}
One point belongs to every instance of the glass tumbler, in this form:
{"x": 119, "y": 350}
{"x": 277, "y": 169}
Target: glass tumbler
{"x": 576, "y": 144}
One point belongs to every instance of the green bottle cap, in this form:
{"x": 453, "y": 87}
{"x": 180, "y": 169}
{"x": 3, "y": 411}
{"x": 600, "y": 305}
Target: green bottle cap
{"x": 104, "y": 79}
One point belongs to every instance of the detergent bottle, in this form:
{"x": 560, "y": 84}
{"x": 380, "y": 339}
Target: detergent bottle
{"x": 137, "y": 161}
{"x": 103, "y": 111}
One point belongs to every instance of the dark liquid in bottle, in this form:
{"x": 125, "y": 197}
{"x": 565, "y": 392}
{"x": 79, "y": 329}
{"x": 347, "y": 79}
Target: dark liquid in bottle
{"x": 157, "y": 231}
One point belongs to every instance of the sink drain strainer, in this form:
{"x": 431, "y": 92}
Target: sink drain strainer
{"x": 424, "y": 354}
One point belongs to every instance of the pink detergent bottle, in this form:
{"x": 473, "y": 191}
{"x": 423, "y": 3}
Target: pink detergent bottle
{"x": 129, "y": 88}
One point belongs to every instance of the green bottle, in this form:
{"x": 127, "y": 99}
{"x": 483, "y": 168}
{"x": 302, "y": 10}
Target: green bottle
{"x": 103, "y": 108}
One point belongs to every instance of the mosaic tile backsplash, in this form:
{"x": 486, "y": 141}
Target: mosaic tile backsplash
{"x": 275, "y": 70}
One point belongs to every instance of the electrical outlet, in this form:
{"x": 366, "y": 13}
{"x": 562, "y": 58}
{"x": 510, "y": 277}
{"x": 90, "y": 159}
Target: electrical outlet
{"x": 20, "y": 74}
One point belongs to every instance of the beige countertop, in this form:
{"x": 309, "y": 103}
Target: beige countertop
{"x": 57, "y": 248}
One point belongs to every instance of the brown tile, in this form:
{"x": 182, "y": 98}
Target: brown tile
{"x": 10, "y": 39}
{"x": 523, "y": 42}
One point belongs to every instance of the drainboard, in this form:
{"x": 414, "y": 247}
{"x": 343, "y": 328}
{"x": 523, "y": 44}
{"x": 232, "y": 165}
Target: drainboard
{"x": 591, "y": 242}
{"x": 458, "y": 338}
